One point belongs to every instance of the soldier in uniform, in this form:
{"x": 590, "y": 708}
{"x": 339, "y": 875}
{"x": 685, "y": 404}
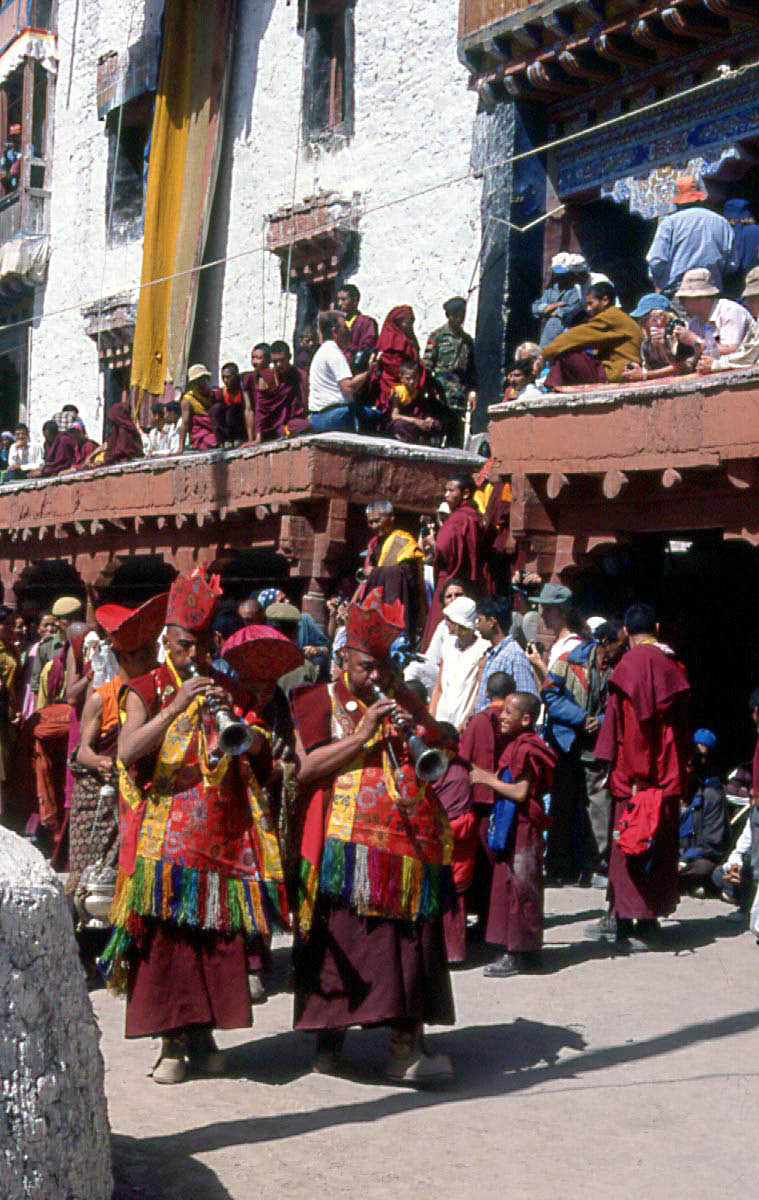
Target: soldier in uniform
{"x": 449, "y": 355}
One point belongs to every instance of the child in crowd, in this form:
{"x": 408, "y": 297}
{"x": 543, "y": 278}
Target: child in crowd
{"x": 525, "y": 773}
{"x": 410, "y": 417}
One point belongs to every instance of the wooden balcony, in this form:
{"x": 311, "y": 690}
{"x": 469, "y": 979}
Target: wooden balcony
{"x": 301, "y": 499}
{"x": 19, "y": 15}
{"x": 549, "y": 50}
{"x": 597, "y": 466}
{"x": 24, "y": 211}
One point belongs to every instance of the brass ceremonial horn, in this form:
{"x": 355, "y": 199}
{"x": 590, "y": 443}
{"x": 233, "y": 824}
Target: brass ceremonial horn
{"x": 429, "y": 764}
{"x": 234, "y": 736}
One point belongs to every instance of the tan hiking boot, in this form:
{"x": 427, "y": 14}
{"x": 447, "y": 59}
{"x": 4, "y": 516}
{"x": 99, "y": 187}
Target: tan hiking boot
{"x": 410, "y": 1064}
{"x": 171, "y": 1066}
{"x": 205, "y": 1056}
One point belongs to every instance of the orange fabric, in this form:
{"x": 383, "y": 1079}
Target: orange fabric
{"x": 109, "y": 694}
{"x": 51, "y": 734}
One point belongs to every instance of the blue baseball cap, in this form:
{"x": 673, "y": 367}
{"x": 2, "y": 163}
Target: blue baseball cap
{"x": 705, "y": 737}
{"x": 649, "y": 302}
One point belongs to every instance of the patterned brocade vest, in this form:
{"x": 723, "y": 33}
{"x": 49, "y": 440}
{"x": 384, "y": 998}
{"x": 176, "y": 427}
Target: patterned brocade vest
{"x": 198, "y": 845}
{"x": 360, "y": 847}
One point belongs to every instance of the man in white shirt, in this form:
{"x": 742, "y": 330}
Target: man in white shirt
{"x": 747, "y": 354}
{"x": 332, "y": 389}
{"x": 22, "y": 456}
{"x": 721, "y": 324}
{"x": 454, "y": 693}
{"x": 154, "y": 442}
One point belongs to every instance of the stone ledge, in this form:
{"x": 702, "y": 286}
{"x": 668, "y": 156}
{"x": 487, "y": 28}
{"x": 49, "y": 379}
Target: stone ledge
{"x": 630, "y": 393}
{"x": 352, "y": 444}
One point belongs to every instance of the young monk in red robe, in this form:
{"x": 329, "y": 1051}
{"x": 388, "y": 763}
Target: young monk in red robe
{"x": 646, "y": 739}
{"x": 410, "y": 417}
{"x": 482, "y": 744}
{"x": 280, "y": 411}
{"x": 459, "y": 547}
{"x": 396, "y": 344}
{"x": 525, "y": 772}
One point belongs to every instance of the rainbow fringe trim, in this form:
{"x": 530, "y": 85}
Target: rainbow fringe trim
{"x": 184, "y": 896}
{"x": 375, "y": 883}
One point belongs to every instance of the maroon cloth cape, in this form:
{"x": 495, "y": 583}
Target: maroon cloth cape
{"x": 575, "y": 366}
{"x": 368, "y": 970}
{"x": 482, "y": 745}
{"x": 402, "y": 581}
{"x": 279, "y": 403}
{"x": 181, "y": 977}
{"x": 363, "y": 336}
{"x": 124, "y": 441}
{"x": 528, "y": 755}
{"x": 61, "y": 454}
{"x": 459, "y": 551}
{"x": 396, "y": 347}
{"x": 646, "y": 733}
{"x": 312, "y": 713}
{"x": 646, "y": 886}
{"x": 454, "y": 791}
{"x": 515, "y": 911}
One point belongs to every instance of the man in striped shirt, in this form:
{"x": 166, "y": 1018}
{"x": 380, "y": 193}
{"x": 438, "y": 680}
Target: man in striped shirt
{"x": 493, "y": 622}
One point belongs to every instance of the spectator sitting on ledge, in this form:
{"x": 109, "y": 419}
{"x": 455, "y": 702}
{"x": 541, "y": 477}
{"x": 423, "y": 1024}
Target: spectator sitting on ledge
{"x": 196, "y": 410}
{"x": 411, "y": 418}
{"x": 721, "y": 324}
{"x": 597, "y": 350}
{"x": 747, "y": 354}
{"x": 669, "y": 347}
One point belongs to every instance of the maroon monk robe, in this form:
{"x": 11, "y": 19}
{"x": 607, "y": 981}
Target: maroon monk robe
{"x": 227, "y": 415}
{"x": 402, "y": 581}
{"x": 481, "y": 745}
{"x": 61, "y": 454}
{"x": 515, "y": 916}
{"x": 363, "y": 336}
{"x": 279, "y": 403}
{"x": 645, "y": 737}
{"x": 454, "y": 791}
{"x": 124, "y": 441}
{"x": 459, "y": 551}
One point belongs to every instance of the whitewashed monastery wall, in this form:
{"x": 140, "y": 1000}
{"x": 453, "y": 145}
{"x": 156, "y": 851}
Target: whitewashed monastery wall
{"x": 412, "y": 129}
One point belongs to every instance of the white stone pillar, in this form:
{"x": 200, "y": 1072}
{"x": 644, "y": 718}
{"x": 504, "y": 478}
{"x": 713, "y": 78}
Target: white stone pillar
{"x": 54, "y": 1138}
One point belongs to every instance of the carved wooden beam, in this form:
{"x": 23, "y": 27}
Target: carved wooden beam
{"x": 555, "y": 484}
{"x": 650, "y": 33}
{"x": 670, "y": 478}
{"x": 692, "y": 23}
{"x": 161, "y": 522}
{"x": 41, "y": 533}
{"x": 545, "y": 77}
{"x": 619, "y": 48}
{"x": 739, "y": 10}
{"x": 743, "y": 475}
{"x": 180, "y": 520}
{"x": 96, "y": 526}
{"x": 26, "y": 534}
{"x": 80, "y": 528}
{"x": 612, "y": 484}
{"x": 586, "y": 66}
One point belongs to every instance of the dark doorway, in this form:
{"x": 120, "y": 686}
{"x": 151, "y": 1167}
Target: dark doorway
{"x": 614, "y": 242}
{"x": 134, "y": 579}
{"x": 41, "y": 583}
{"x": 704, "y": 590}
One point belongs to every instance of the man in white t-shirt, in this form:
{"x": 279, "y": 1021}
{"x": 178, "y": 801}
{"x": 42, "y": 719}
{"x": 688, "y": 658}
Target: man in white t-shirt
{"x": 454, "y": 693}
{"x": 332, "y": 390}
{"x": 721, "y": 324}
{"x": 23, "y": 456}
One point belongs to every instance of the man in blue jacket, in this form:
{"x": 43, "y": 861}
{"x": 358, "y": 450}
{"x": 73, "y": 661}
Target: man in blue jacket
{"x": 574, "y": 695}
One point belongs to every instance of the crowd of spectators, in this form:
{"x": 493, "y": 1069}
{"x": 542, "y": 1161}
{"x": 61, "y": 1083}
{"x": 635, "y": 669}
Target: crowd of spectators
{"x": 472, "y": 639}
{"x": 688, "y": 323}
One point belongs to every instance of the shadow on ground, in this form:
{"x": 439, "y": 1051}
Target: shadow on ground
{"x": 491, "y": 1060}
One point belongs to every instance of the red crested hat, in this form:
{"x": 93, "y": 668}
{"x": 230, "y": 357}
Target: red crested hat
{"x": 131, "y": 628}
{"x": 192, "y": 601}
{"x": 261, "y": 652}
{"x": 373, "y": 626}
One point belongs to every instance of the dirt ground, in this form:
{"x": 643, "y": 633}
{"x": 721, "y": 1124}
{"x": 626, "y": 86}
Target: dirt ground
{"x": 603, "y": 1076}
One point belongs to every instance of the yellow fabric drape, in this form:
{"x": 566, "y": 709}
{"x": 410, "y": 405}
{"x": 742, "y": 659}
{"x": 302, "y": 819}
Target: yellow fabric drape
{"x": 168, "y": 151}
{"x": 184, "y": 154}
